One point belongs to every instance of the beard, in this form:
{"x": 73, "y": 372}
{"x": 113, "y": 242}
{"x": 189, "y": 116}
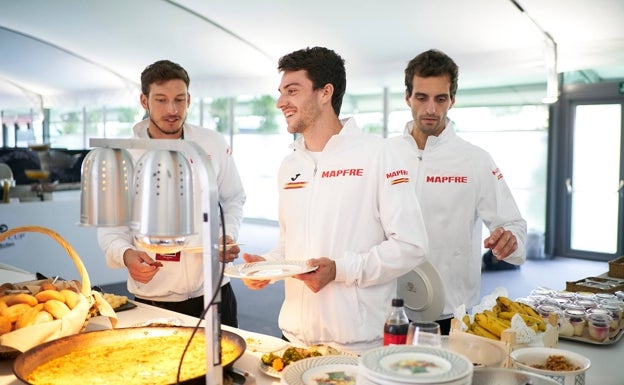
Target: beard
{"x": 172, "y": 131}
{"x": 430, "y": 127}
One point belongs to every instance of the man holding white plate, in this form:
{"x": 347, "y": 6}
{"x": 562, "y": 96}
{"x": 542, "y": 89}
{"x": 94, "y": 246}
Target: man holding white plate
{"x": 347, "y": 213}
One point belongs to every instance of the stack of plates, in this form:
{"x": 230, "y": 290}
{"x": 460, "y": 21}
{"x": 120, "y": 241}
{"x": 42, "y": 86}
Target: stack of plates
{"x": 321, "y": 370}
{"x": 406, "y": 364}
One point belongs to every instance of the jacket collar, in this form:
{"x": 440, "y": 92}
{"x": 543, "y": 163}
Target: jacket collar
{"x": 349, "y": 128}
{"x": 432, "y": 141}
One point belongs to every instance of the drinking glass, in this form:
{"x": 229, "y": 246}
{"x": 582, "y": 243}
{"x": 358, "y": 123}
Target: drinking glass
{"x": 424, "y": 333}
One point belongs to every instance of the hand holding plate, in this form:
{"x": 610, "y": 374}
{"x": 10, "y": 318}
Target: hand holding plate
{"x": 325, "y": 273}
{"x": 254, "y": 284}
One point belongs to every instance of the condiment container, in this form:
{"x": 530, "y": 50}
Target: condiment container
{"x": 531, "y": 301}
{"x": 564, "y": 295}
{"x": 546, "y": 309}
{"x": 604, "y": 296}
{"x": 585, "y": 295}
{"x": 576, "y": 317}
{"x": 586, "y": 303}
{"x": 614, "y": 312}
{"x": 542, "y": 291}
{"x": 599, "y": 325}
{"x": 616, "y": 304}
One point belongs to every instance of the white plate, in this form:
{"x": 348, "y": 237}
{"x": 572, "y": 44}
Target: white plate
{"x": 269, "y": 371}
{"x": 263, "y": 343}
{"x": 268, "y": 270}
{"x": 415, "y": 364}
{"x": 310, "y": 371}
{"x": 423, "y": 294}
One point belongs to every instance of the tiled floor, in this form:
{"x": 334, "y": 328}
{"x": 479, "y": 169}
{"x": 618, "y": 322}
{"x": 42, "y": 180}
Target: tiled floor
{"x": 258, "y": 310}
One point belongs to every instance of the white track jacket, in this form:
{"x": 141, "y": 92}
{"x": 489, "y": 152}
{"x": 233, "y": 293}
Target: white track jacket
{"x": 183, "y": 279}
{"x": 459, "y": 188}
{"x": 355, "y": 205}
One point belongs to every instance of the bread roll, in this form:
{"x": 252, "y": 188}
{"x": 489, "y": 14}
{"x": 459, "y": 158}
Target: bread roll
{"x": 46, "y": 295}
{"x": 28, "y": 317}
{"x": 57, "y": 308}
{"x": 12, "y": 299}
{"x": 42, "y": 316}
{"x": 13, "y": 312}
{"x": 71, "y": 298}
{"x": 5, "y": 325}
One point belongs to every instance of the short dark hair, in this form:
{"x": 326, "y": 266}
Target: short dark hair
{"x": 323, "y": 66}
{"x": 431, "y": 63}
{"x": 160, "y": 72}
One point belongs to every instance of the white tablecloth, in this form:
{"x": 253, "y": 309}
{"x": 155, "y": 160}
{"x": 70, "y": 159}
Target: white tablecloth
{"x": 605, "y": 359}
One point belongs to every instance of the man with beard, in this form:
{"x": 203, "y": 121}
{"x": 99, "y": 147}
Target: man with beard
{"x": 346, "y": 208}
{"x": 458, "y": 185}
{"x": 175, "y": 281}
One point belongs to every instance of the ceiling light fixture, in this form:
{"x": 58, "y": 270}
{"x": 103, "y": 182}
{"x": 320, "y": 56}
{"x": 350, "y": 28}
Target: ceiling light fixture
{"x": 550, "y": 59}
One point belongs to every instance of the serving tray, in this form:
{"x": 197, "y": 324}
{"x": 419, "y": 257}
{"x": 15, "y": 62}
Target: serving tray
{"x": 614, "y": 337}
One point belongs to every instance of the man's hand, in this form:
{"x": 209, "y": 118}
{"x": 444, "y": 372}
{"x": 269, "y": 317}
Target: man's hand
{"x": 141, "y": 267}
{"x": 319, "y": 278}
{"x": 231, "y": 252}
{"x": 502, "y": 242}
{"x": 254, "y": 284}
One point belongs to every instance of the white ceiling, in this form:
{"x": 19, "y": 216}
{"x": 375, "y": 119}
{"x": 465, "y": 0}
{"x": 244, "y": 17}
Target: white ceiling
{"x": 56, "y": 52}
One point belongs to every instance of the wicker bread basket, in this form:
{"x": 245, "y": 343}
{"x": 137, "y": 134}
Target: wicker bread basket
{"x": 90, "y": 303}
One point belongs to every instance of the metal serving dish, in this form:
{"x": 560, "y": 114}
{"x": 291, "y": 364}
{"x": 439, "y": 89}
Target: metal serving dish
{"x": 28, "y": 361}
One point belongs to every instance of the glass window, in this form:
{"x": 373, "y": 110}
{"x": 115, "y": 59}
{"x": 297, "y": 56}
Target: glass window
{"x": 261, "y": 141}
{"x": 595, "y": 176}
{"x": 67, "y": 128}
{"x": 517, "y": 139}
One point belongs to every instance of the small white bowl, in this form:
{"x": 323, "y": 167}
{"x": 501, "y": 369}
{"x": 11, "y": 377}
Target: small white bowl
{"x": 480, "y": 351}
{"x": 524, "y": 358}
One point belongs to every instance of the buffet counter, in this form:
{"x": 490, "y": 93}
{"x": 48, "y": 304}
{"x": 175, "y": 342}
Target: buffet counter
{"x": 604, "y": 368}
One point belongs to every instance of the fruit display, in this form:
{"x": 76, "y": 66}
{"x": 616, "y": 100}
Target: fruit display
{"x": 492, "y": 323}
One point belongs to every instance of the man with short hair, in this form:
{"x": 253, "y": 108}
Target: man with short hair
{"x": 175, "y": 282}
{"x": 459, "y": 186}
{"x": 346, "y": 208}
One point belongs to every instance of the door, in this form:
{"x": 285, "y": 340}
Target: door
{"x": 594, "y": 183}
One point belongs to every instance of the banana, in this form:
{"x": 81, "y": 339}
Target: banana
{"x": 528, "y": 310}
{"x": 538, "y": 321}
{"x": 490, "y": 324}
{"x": 480, "y": 331}
{"x": 507, "y": 304}
{"x": 507, "y": 315}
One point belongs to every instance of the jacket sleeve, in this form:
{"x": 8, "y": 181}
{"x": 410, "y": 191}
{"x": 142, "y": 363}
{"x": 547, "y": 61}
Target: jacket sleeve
{"x": 497, "y": 208}
{"x": 406, "y": 243}
{"x": 231, "y": 193}
{"x": 114, "y": 241}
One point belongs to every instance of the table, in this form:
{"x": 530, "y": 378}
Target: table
{"x": 604, "y": 370}
{"x": 248, "y": 362}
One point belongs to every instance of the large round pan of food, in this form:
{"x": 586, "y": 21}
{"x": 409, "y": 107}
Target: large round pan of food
{"x": 139, "y": 355}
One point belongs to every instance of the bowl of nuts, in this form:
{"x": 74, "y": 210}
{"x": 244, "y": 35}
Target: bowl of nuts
{"x": 564, "y": 366}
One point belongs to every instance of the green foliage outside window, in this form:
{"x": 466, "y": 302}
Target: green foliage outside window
{"x": 264, "y": 106}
